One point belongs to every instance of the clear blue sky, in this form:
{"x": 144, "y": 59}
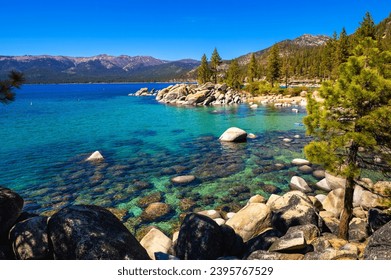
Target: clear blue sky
{"x": 171, "y": 29}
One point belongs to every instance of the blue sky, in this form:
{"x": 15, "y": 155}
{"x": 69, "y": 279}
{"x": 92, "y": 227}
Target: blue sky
{"x": 171, "y": 29}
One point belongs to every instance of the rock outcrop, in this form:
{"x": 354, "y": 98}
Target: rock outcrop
{"x": 200, "y": 95}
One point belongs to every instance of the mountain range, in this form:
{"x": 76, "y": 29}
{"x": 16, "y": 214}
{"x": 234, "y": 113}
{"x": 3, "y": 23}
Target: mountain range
{"x": 123, "y": 68}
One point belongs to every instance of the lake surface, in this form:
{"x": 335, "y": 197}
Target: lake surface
{"x": 49, "y": 131}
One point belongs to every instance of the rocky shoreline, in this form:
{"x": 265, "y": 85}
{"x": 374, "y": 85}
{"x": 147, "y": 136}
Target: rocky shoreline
{"x": 208, "y": 94}
{"x": 299, "y": 224}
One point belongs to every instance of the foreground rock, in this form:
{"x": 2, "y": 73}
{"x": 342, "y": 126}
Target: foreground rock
{"x": 298, "y": 183}
{"x": 200, "y": 238}
{"x": 86, "y": 232}
{"x": 250, "y": 220}
{"x": 234, "y": 134}
{"x": 156, "y": 241}
{"x": 29, "y": 239}
{"x": 379, "y": 245}
{"x": 11, "y": 205}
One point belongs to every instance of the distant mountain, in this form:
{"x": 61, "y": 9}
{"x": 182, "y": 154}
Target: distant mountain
{"x": 100, "y": 68}
{"x": 302, "y": 42}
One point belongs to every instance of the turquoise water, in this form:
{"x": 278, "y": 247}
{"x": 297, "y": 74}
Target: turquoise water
{"x": 49, "y": 131}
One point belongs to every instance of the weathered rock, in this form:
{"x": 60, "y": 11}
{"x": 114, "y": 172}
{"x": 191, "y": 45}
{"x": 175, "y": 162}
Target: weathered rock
{"x": 219, "y": 221}
{"x": 335, "y": 182}
{"x": 318, "y": 205}
{"x": 358, "y": 212}
{"x": 331, "y": 254}
{"x": 379, "y": 245}
{"x": 82, "y": 232}
{"x": 378, "y": 218}
{"x": 322, "y": 185}
{"x": 257, "y": 199}
{"x": 200, "y": 238}
{"x": 334, "y": 202}
{"x": 320, "y": 197}
{"x": 11, "y": 205}
{"x": 185, "y": 179}
{"x": 29, "y": 239}
{"x": 232, "y": 243}
{"x": 156, "y": 241}
{"x": 330, "y": 223}
{"x": 296, "y": 239}
{"x": 95, "y": 156}
{"x": 298, "y": 183}
{"x": 234, "y": 134}
{"x": 358, "y": 230}
{"x": 261, "y": 242}
{"x": 250, "y": 220}
{"x": 269, "y": 256}
{"x": 300, "y": 161}
{"x": 155, "y": 211}
{"x": 292, "y": 209}
{"x": 366, "y": 199}
{"x": 142, "y": 91}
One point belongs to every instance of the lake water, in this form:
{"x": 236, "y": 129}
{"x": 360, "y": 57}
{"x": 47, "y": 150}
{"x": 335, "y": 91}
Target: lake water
{"x": 49, "y": 131}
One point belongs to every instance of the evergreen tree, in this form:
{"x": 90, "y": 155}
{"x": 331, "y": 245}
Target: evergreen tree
{"x": 342, "y": 47}
{"x": 203, "y": 71}
{"x": 274, "y": 64}
{"x": 252, "y": 69}
{"x": 234, "y": 79}
{"x": 14, "y": 81}
{"x": 215, "y": 62}
{"x": 367, "y": 28}
{"x": 352, "y": 125}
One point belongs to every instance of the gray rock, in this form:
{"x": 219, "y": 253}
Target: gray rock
{"x": 200, "y": 238}
{"x": 87, "y": 232}
{"x": 11, "y": 205}
{"x": 378, "y": 218}
{"x": 270, "y": 256}
{"x": 234, "y": 134}
{"x": 293, "y": 209}
{"x": 29, "y": 239}
{"x": 261, "y": 242}
{"x": 298, "y": 183}
{"x": 358, "y": 230}
{"x": 379, "y": 245}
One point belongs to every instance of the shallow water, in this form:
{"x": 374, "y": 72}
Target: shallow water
{"x": 50, "y": 130}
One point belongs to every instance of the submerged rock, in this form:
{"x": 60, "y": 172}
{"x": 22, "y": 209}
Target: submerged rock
{"x": 87, "y": 232}
{"x": 185, "y": 179}
{"x": 155, "y": 211}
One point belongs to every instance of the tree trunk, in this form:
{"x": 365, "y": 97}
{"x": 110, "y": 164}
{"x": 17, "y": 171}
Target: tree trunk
{"x": 346, "y": 216}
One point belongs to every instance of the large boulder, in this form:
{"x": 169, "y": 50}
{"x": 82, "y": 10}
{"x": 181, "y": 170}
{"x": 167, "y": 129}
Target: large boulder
{"x": 156, "y": 241}
{"x": 378, "y": 218}
{"x": 379, "y": 245}
{"x": 335, "y": 182}
{"x": 200, "y": 238}
{"x": 234, "y": 134}
{"x": 232, "y": 243}
{"x": 292, "y": 209}
{"x": 334, "y": 202}
{"x": 298, "y": 183}
{"x": 11, "y": 205}
{"x": 87, "y": 232}
{"x": 155, "y": 211}
{"x": 261, "y": 242}
{"x": 366, "y": 199}
{"x": 95, "y": 156}
{"x": 29, "y": 239}
{"x": 251, "y": 220}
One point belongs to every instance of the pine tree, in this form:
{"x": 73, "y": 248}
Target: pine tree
{"x": 203, "y": 71}
{"x": 342, "y": 47}
{"x": 252, "y": 69}
{"x": 14, "y": 81}
{"x": 352, "y": 125}
{"x": 367, "y": 28}
{"x": 215, "y": 62}
{"x": 274, "y": 64}
{"x": 234, "y": 79}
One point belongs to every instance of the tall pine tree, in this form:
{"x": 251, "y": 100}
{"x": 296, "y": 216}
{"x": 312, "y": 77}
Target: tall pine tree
{"x": 234, "y": 78}
{"x": 215, "y": 62}
{"x": 352, "y": 126}
{"x": 252, "y": 69}
{"x": 203, "y": 71}
{"x": 274, "y": 65}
